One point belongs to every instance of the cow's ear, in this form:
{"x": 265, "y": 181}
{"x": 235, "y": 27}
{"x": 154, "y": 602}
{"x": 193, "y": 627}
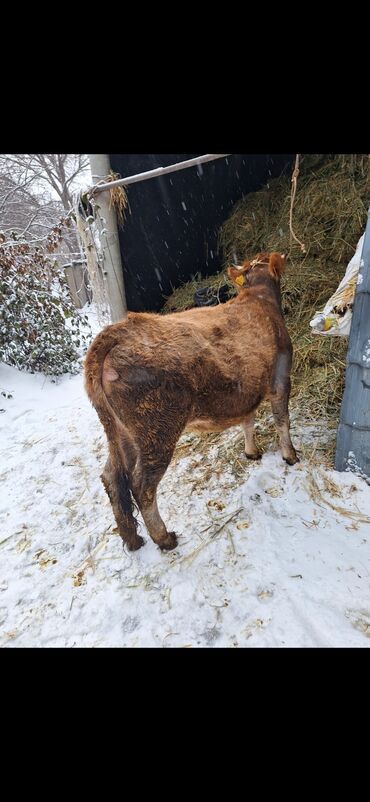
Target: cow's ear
{"x": 277, "y": 265}
{"x": 237, "y": 275}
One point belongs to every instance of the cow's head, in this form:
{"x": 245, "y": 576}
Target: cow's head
{"x": 264, "y": 265}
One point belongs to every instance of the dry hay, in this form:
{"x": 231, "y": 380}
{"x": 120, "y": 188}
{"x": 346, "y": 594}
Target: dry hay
{"x": 183, "y": 297}
{"x": 329, "y": 216}
{"x": 329, "y": 212}
{"x": 118, "y": 199}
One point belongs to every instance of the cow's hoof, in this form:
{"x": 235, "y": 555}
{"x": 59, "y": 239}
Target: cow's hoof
{"x": 136, "y": 544}
{"x": 170, "y": 542}
{"x": 291, "y": 460}
{"x": 255, "y": 456}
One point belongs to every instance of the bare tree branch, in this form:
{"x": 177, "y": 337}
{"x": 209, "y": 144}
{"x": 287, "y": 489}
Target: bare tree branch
{"x": 35, "y": 189}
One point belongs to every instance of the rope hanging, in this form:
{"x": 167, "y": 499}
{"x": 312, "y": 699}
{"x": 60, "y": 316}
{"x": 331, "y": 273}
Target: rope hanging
{"x": 294, "y": 190}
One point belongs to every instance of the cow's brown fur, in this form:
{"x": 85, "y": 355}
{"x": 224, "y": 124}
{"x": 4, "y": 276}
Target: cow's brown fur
{"x": 150, "y": 377}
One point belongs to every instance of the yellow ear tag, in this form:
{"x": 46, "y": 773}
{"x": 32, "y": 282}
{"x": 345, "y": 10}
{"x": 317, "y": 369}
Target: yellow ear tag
{"x": 239, "y": 280}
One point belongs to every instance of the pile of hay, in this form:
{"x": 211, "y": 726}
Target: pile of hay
{"x": 118, "y": 199}
{"x": 329, "y": 216}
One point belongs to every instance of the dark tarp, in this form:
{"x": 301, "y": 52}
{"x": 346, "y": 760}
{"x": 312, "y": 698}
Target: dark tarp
{"x": 171, "y": 232}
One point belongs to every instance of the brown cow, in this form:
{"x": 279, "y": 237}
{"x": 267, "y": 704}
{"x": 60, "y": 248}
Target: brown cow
{"x": 151, "y": 376}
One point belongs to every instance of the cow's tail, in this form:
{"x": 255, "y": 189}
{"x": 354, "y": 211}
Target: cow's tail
{"x": 94, "y": 363}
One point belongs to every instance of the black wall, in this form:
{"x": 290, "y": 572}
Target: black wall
{"x": 171, "y": 233}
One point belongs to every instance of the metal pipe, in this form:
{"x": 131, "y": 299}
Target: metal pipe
{"x": 159, "y": 171}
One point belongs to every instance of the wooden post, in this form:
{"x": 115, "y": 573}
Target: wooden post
{"x": 112, "y": 264}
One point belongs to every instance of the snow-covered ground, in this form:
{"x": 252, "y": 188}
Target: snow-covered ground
{"x": 282, "y": 559}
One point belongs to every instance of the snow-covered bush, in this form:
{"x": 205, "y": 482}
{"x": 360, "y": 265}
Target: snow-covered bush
{"x": 34, "y": 306}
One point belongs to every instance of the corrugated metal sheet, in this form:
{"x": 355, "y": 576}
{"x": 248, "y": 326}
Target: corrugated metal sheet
{"x": 353, "y": 440}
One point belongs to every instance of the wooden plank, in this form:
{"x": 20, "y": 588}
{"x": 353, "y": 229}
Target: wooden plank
{"x": 69, "y": 271}
{"x": 77, "y": 278}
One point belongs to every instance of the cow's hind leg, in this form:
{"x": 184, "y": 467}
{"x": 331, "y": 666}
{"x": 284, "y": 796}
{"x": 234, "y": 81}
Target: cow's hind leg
{"x": 145, "y": 492}
{"x": 251, "y": 450}
{"x": 156, "y": 436}
{"x": 279, "y": 404}
{"x": 117, "y": 486}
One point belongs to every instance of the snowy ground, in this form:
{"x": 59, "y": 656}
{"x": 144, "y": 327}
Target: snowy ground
{"x": 282, "y": 559}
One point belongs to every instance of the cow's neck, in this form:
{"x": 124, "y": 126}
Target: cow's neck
{"x": 266, "y": 288}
